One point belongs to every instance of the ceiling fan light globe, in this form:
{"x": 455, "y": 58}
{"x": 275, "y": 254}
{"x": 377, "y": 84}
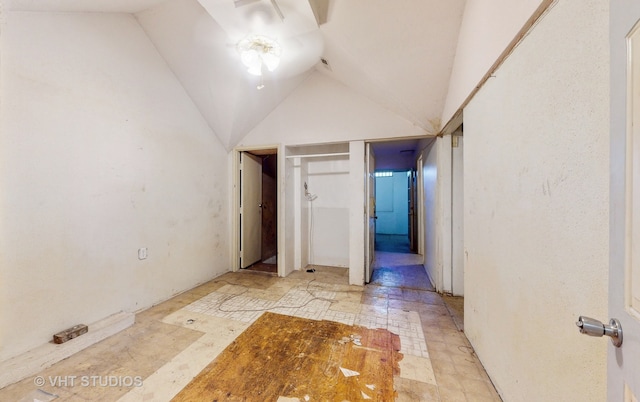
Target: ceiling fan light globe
{"x": 258, "y": 50}
{"x": 255, "y": 69}
{"x": 249, "y": 57}
{"x": 271, "y": 61}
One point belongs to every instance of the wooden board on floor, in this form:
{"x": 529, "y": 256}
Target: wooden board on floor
{"x": 284, "y": 356}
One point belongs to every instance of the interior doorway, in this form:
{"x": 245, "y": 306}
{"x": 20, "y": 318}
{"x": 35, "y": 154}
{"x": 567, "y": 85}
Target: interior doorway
{"x": 398, "y": 214}
{"x": 397, "y": 261}
{"x": 395, "y": 199}
{"x": 258, "y": 210}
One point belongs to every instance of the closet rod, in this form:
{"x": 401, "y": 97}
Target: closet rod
{"x": 318, "y": 155}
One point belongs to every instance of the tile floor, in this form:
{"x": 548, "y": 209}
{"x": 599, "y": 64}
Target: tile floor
{"x": 172, "y": 342}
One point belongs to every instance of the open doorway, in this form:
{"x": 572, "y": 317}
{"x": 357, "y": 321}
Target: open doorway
{"x": 258, "y": 206}
{"x": 396, "y": 226}
{"x": 397, "y": 214}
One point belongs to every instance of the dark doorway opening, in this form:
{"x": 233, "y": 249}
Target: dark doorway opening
{"x": 269, "y": 238}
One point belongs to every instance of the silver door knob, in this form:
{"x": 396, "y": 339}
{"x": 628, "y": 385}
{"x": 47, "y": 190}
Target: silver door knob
{"x": 593, "y": 327}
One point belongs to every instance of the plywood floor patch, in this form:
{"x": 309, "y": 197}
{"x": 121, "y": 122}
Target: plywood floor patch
{"x": 284, "y": 356}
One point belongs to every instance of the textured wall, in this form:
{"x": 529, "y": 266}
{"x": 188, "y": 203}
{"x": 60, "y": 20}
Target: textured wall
{"x": 101, "y": 153}
{"x": 328, "y": 179}
{"x": 432, "y": 233}
{"x": 487, "y": 28}
{"x": 536, "y": 202}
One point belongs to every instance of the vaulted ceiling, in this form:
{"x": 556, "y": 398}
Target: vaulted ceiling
{"x": 397, "y": 53}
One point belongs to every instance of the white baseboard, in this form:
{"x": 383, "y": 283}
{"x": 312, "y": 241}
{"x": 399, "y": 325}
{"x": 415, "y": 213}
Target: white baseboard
{"x": 42, "y": 357}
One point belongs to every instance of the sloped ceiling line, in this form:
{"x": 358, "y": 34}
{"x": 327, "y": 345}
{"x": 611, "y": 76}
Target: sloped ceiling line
{"x": 397, "y": 54}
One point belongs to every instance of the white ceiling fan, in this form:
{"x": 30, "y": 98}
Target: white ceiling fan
{"x": 290, "y": 23}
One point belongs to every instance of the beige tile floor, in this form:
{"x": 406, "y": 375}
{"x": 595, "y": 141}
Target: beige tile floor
{"x": 172, "y": 342}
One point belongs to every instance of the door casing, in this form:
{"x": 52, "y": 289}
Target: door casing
{"x": 370, "y": 216}
{"x": 251, "y": 203}
{"x": 235, "y": 203}
{"x": 623, "y": 363}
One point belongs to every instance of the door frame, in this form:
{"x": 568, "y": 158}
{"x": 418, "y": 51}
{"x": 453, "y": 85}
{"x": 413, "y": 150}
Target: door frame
{"x": 251, "y": 214}
{"x": 420, "y": 207}
{"x": 370, "y": 212}
{"x": 418, "y": 166}
{"x": 412, "y": 176}
{"x": 623, "y": 367}
{"x": 235, "y": 203}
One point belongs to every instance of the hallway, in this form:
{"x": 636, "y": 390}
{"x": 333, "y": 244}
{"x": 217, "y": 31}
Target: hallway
{"x": 171, "y": 343}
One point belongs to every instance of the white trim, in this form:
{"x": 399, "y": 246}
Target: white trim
{"x": 48, "y": 354}
{"x": 318, "y": 155}
{"x": 235, "y": 202}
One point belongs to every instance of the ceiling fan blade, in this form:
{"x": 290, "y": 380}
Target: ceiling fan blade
{"x": 277, "y": 8}
{"x": 240, "y": 3}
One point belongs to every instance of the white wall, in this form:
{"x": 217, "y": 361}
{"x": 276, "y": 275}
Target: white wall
{"x": 430, "y": 180}
{"x": 444, "y": 215}
{"x": 439, "y": 238}
{"x": 457, "y": 218}
{"x": 304, "y": 221}
{"x": 101, "y": 152}
{"x": 328, "y": 179}
{"x": 357, "y": 208}
{"x": 322, "y": 110}
{"x": 289, "y": 242}
{"x": 487, "y": 28}
{"x": 536, "y": 223}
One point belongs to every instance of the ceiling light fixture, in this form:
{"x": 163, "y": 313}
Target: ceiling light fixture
{"x": 258, "y": 50}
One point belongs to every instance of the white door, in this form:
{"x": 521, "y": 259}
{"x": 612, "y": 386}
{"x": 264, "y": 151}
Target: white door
{"x": 623, "y": 365}
{"x": 370, "y": 219}
{"x": 250, "y": 209}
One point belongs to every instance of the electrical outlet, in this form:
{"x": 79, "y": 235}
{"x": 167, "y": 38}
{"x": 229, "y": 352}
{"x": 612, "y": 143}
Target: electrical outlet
{"x": 142, "y": 253}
